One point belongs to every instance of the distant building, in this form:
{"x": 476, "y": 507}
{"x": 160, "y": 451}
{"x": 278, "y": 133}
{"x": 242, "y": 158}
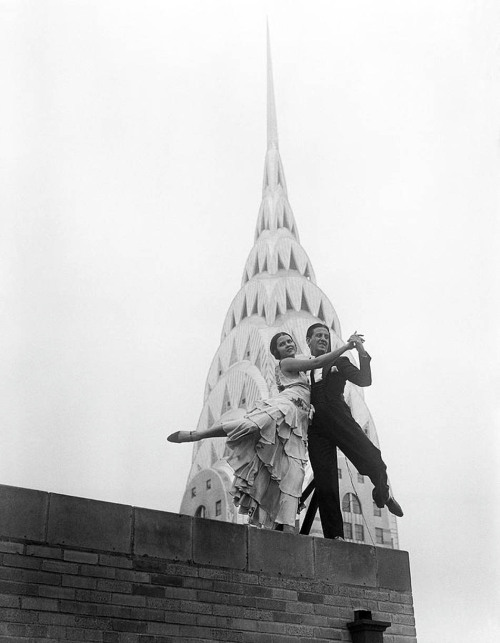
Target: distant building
{"x": 278, "y": 293}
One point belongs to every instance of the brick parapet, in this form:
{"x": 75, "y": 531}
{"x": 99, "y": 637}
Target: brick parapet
{"x": 85, "y": 570}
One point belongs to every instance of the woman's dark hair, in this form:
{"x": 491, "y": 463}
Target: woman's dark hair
{"x": 273, "y": 346}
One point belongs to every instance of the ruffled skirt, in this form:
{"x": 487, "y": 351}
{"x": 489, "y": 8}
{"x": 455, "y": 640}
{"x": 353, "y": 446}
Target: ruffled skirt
{"x": 268, "y": 453}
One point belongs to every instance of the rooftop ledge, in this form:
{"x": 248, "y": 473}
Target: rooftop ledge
{"x": 28, "y": 515}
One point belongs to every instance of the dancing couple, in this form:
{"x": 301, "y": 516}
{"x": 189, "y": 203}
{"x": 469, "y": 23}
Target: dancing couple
{"x": 268, "y": 445}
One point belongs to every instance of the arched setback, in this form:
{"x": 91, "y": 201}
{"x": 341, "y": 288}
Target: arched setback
{"x": 208, "y": 490}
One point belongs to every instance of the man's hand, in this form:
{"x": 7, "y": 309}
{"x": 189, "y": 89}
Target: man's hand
{"x": 357, "y": 341}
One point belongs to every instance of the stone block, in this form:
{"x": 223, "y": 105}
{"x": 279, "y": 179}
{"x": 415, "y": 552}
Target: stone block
{"x": 90, "y": 524}
{"x": 163, "y": 535}
{"x": 341, "y": 562}
{"x": 23, "y": 513}
{"x": 393, "y": 569}
{"x": 274, "y": 552}
{"x": 219, "y": 543}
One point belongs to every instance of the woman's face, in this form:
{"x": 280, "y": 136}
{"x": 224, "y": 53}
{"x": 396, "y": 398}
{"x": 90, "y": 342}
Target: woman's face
{"x": 286, "y": 346}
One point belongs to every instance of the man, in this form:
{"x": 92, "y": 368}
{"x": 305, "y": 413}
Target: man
{"x": 333, "y": 426}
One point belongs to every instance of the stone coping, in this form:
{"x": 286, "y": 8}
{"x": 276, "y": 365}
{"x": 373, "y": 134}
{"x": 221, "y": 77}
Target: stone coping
{"x": 78, "y": 523}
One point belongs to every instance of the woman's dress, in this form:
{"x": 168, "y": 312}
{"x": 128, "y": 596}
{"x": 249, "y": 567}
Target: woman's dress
{"x": 269, "y": 453}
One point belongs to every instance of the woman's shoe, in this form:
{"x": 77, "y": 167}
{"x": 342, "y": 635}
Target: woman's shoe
{"x": 180, "y": 436}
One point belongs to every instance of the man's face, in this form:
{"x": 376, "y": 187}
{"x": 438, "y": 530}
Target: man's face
{"x": 318, "y": 342}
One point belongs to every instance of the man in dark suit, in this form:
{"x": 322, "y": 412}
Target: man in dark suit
{"x": 334, "y": 427}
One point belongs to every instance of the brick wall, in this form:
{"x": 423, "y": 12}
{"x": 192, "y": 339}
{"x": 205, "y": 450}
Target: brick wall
{"x": 81, "y": 570}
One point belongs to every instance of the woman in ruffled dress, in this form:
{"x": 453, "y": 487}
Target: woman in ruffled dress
{"x": 269, "y": 443}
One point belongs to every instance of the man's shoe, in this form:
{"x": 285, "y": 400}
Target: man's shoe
{"x": 381, "y": 495}
{"x": 394, "y": 507}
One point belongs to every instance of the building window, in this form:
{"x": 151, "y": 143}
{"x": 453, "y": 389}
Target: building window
{"x": 193, "y": 492}
{"x": 359, "y": 532}
{"x": 351, "y": 503}
{"x": 379, "y": 536}
{"x": 201, "y": 512}
{"x": 361, "y": 478}
{"x": 348, "y": 530}
{"x": 218, "y": 508}
{"x": 339, "y": 471}
{"x": 209, "y": 483}
{"x": 377, "y": 511}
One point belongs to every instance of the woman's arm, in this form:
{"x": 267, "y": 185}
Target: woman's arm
{"x": 293, "y": 365}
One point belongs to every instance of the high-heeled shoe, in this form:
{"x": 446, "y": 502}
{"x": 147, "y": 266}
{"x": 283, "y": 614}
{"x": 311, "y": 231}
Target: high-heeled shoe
{"x": 176, "y": 437}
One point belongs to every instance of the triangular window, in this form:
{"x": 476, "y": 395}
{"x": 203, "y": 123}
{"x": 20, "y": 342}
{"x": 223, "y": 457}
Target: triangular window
{"x": 247, "y": 350}
{"x": 293, "y": 263}
{"x": 234, "y": 356}
{"x": 244, "y": 312}
{"x": 303, "y": 304}
{"x": 226, "y": 402}
{"x": 242, "y": 404}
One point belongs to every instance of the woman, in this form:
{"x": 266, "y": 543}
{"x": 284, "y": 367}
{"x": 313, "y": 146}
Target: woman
{"x": 269, "y": 443}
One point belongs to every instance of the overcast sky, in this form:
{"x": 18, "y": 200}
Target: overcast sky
{"x": 131, "y": 155}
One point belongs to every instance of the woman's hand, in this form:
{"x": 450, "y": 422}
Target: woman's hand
{"x": 356, "y": 340}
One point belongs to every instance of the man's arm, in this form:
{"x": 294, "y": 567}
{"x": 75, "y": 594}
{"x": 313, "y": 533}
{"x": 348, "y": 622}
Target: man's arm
{"x": 361, "y": 376}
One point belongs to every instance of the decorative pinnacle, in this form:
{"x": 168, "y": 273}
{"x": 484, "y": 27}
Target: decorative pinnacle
{"x": 272, "y": 123}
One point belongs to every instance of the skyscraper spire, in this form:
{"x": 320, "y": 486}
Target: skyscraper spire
{"x": 272, "y": 123}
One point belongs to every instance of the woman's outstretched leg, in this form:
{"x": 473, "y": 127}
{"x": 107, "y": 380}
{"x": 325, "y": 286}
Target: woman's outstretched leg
{"x": 236, "y": 426}
{"x": 215, "y": 431}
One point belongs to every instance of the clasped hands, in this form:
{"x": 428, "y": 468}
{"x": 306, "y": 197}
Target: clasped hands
{"x": 356, "y": 340}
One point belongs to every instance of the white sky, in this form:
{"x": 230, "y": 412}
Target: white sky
{"x": 131, "y": 157}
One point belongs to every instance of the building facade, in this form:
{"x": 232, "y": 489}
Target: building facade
{"x": 278, "y": 293}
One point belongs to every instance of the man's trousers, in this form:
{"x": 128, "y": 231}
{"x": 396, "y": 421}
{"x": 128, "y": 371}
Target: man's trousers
{"x": 334, "y": 427}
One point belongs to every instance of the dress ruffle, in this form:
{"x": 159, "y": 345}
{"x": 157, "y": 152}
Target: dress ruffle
{"x": 268, "y": 455}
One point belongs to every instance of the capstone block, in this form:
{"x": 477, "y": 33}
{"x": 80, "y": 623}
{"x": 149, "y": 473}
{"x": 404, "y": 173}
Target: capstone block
{"x": 90, "y": 524}
{"x": 341, "y": 562}
{"x": 163, "y": 535}
{"x": 274, "y": 552}
{"x": 393, "y": 569}
{"x": 219, "y": 543}
{"x": 23, "y": 513}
